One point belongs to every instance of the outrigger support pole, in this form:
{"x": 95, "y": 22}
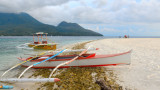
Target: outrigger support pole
{"x": 41, "y": 37}
{"x": 39, "y": 63}
{"x": 65, "y": 63}
{"x": 38, "y": 38}
{"x": 33, "y": 38}
{"x": 46, "y": 36}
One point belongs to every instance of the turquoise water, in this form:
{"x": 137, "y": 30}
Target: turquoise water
{"x": 9, "y": 52}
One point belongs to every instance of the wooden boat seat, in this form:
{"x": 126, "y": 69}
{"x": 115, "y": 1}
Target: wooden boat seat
{"x": 88, "y": 55}
{"x": 35, "y": 58}
{"x": 44, "y": 42}
{"x": 37, "y": 42}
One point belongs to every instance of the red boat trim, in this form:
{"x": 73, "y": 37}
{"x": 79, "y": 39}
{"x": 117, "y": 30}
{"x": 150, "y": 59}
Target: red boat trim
{"x": 79, "y": 66}
{"x": 83, "y": 58}
{"x": 38, "y": 60}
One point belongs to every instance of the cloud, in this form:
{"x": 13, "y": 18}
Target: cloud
{"x": 79, "y": 14}
{"x": 100, "y": 3}
{"x": 50, "y": 15}
{"x": 90, "y": 11}
{"x": 110, "y": 30}
{"x": 26, "y": 5}
{"x": 146, "y": 11}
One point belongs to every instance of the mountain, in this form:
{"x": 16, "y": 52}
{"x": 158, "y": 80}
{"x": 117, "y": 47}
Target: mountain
{"x": 23, "y": 24}
{"x": 16, "y": 19}
{"x": 75, "y": 29}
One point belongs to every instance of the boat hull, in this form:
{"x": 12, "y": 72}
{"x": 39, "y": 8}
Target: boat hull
{"x": 45, "y": 46}
{"x": 95, "y": 61}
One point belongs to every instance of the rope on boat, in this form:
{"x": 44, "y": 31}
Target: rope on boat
{"x": 40, "y": 62}
{"x": 23, "y": 62}
{"x": 65, "y": 63}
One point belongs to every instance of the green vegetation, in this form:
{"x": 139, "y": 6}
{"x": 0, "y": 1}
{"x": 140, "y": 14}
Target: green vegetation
{"x": 23, "y": 24}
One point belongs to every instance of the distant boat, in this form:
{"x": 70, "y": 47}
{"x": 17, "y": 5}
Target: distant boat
{"x": 42, "y": 43}
{"x": 86, "y": 60}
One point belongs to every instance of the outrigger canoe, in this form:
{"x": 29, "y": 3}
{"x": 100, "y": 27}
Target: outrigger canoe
{"x": 86, "y": 60}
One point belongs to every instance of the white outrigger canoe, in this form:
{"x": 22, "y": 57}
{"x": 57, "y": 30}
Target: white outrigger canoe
{"x": 81, "y": 60}
{"x": 86, "y": 60}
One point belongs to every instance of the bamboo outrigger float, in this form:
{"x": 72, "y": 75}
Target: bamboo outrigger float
{"x": 14, "y": 80}
{"x": 6, "y": 87}
{"x": 43, "y": 43}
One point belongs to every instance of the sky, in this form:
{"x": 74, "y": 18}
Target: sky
{"x": 108, "y": 17}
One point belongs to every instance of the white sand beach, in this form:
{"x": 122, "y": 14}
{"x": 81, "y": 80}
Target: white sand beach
{"x": 144, "y": 71}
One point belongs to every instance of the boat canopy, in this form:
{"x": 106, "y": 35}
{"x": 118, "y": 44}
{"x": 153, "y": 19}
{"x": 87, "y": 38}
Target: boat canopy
{"x": 40, "y": 36}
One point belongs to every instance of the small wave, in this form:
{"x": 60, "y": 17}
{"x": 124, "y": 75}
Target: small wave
{"x": 24, "y": 46}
